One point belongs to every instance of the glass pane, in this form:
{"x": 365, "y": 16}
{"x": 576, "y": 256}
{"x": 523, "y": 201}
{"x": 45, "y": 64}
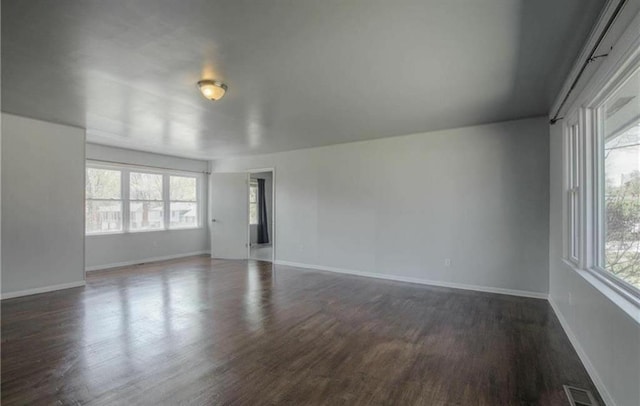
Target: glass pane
{"x": 145, "y": 186}
{"x": 146, "y": 216}
{"x": 621, "y": 129}
{"x": 253, "y": 193}
{"x": 575, "y": 154}
{"x": 253, "y": 213}
{"x": 184, "y": 214}
{"x": 183, "y": 188}
{"x": 102, "y": 184}
{"x": 103, "y": 216}
{"x": 575, "y": 218}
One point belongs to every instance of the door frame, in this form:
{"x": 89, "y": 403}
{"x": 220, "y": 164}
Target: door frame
{"x": 273, "y": 211}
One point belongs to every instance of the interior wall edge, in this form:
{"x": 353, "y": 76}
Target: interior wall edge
{"x": 144, "y": 261}
{"x": 420, "y": 281}
{"x": 44, "y": 289}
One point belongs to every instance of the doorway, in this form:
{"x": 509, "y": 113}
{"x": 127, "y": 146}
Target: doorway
{"x": 261, "y": 219}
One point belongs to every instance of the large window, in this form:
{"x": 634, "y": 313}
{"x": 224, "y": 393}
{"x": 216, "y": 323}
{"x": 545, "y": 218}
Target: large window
{"x": 617, "y": 125}
{"x": 123, "y": 199}
{"x": 602, "y": 183}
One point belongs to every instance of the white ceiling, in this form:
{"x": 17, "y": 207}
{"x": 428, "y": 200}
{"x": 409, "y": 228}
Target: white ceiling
{"x": 300, "y": 73}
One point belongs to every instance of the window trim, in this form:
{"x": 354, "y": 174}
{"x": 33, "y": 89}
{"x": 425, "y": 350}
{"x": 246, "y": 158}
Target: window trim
{"x": 125, "y": 171}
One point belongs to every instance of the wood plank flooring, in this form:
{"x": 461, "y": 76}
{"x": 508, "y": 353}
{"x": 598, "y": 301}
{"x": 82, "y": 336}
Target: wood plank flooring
{"x": 210, "y": 332}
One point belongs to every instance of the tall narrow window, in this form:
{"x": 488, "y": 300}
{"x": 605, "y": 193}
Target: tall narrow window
{"x": 618, "y": 127}
{"x": 146, "y": 206}
{"x": 573, "y": 192}
{"x": 183, "y": 191}
{"x": 103, "y": 208}
{"x": 253, "y": 202}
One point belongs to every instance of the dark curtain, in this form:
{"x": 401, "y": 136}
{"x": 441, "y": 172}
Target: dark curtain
{"x": 263, "y": 228}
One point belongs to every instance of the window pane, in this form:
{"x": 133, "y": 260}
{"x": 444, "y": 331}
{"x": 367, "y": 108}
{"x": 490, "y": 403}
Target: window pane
{"x": 103, "y": 216}
{"x": 575, "y": 218}
{"x": 183, "y": 188}
{"x": 146, "y": 216}
{"x": 620, "y": 117}
{"x": 253, "y": 213}
{"x": 253, "y": 193}
{"x": 145, "y": 186}
{"x": 184, "y": 214}
{"x": 102, "y": 184}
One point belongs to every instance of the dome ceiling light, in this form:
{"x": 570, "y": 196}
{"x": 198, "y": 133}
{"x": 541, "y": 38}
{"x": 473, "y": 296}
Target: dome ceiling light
{"x": 212, "y": 89}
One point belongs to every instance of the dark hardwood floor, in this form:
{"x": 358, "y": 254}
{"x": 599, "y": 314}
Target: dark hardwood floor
{"x": 211, "y": 332}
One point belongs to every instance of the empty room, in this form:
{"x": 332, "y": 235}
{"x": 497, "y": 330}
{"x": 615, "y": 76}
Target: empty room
{"x": 339, "y": 202}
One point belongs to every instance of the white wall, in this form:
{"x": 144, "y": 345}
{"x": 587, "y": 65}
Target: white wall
{"x": 103, "y": 251}
{"x": 398, "y": 207}
{"x": 268, "y": 194}
{"x": 42, "y": 205}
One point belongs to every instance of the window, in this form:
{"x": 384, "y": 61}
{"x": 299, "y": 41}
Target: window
{"x": 617, "y": 129}
{"x": 183, "y": 192}
{"x": 146, "y": 206}
{"x": 601, "y": 179}
{"x": 103, "y": 206}
{"x": 122, "y": 199}
{"x": 573, "y": 148}
{"x": 253, "y": 202}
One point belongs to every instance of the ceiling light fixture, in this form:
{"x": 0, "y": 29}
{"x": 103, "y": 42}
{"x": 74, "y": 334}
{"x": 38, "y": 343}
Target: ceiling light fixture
{"x": 212, "y": 89}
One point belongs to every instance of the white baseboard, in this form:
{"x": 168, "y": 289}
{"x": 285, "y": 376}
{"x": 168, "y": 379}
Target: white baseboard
{"x": 142, "y": 261}
{"x": 43, "y": 289}
{"x": 591, "y": 370}
{"x": 478, "y": 288}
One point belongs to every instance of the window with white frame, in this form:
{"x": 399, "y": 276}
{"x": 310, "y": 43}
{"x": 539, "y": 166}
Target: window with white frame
{"x": 616, "y": 128}
{"x": 573, "y": 148}
{"x": 103, "y": 209}
{"x": 146, "y": 201}
{"x": 253, "y": 202}
{"x": 183, "y": 206}
{"x": 125, "y": 199}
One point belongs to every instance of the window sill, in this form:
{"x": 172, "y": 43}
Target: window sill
{"x": 143, "y": 231}
{"x": 626, "y": 301}
{"x": 104, "y": 234}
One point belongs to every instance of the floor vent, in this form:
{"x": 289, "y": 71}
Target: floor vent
{"x": 579, "y": 397}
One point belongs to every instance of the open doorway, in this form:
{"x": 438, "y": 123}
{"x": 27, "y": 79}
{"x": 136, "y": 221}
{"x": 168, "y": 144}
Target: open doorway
{"x": 261, "y": 224}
